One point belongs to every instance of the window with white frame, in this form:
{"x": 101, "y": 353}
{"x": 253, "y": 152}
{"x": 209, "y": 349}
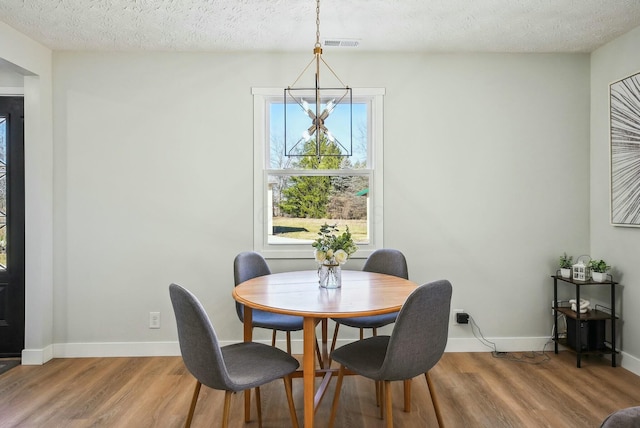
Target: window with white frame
{"x": 295, "y": 195}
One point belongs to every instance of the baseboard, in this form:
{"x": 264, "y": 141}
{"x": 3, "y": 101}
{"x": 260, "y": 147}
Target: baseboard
{"x": 156, "y": 349}
{"x": 36, "y": 357}
{"x": 116, "y": 349}
{"x": 153, "y": 349}
{"x": 630, "y": 363}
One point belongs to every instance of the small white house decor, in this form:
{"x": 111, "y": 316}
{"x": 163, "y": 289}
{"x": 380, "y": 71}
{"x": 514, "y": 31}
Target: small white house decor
{"x": 581, "y": 270}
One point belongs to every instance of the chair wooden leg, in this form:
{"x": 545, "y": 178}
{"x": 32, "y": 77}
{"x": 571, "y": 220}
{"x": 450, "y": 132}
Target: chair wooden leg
{"x": 247, "y": 405}
{"x": 273, "y": 338}
{"x": 335, "y": 337}
{"x": 336, "y": 396}
{"x": 407, "y": 395}
{"x": 258, "y": 407}
{"x": 292, "y": 408}
{"x": 248, "y": 336}
{"x": 387, "y": 403}
{"x": 382, "y": 397}
{"x": 227, "y": 406}
{"x": 434, "y": 400}
{"x": 324, "y": 361}
{"x": 318, "y": 353}
{"x": 378, "y": 389}
{"x": 192, "y": 407}
{"x": 361, "y": 333}
{"x": 289, "y": 342}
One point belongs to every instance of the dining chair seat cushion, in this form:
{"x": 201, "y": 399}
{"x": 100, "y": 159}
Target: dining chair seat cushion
{"x": 271, "y": 320}
{"x": 251, "y": 364}
{"x": 373, "y": 321}
{"x": 365, "y": 357}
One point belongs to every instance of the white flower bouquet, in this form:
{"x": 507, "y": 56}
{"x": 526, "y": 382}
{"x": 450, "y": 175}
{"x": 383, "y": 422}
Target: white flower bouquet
{"x": 332, "y": 248}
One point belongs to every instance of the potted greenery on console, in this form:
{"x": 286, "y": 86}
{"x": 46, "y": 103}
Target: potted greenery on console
{"x": 565, "y": 265}
{"x": 599, "y": 270}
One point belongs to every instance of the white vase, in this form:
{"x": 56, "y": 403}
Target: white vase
{"x": 599, "y": 276}
{"x": 565, "y": 272}
{"x": 330, "y": 276}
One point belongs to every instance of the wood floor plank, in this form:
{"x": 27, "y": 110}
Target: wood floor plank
{"x": 474, "y": 390}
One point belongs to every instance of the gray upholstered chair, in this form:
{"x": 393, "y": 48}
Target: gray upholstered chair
{"x": 415, "y": 346}
{"x": 390, "y": 262}
{"x": 387, "y": 261}
{"x": 623, "y": 418}
{"x": 232, "y": 368}
{"x": 248, "y": 265}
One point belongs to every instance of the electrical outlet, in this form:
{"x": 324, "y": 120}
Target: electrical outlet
{"x": 462, "y": 318}
{"x": 455, "y": 313}
{"x": 154, "y": 319}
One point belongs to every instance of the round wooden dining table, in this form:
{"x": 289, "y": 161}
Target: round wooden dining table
{"x": 298, "y": 293}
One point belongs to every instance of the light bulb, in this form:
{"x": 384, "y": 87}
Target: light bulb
{"x": 331, "y": 105}
{"x": 330, "y": 137}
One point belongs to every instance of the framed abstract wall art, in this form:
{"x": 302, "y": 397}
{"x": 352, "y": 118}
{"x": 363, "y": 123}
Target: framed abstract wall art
{"x": 624, "y": 107}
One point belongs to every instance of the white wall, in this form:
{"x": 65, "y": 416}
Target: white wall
{"x": 486, "y": 184}
{"x": 8, "y": 77}
{"x": 620, "y": 246}
{"x": 22, "y": 55}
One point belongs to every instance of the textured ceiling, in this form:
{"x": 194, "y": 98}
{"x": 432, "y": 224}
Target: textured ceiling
{"x": 289, "y": 25}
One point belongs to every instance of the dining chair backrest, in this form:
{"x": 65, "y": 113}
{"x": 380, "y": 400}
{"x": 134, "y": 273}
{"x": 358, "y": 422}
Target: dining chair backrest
{"x": 248, "y": 265}
{"x": 387, "y": 261}
{"x": 198, "y": 341}
{"x": 420, "y": 332}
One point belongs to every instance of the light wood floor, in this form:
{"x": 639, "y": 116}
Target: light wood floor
{"x": 474, "y": 389}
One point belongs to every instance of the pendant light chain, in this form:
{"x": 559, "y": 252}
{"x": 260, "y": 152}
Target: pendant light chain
{"x": 318, "y": 117}
{"x": 317, "y": 23}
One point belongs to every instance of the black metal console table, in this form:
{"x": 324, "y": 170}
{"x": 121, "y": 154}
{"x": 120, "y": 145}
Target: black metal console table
{"x": 591, "y": 318}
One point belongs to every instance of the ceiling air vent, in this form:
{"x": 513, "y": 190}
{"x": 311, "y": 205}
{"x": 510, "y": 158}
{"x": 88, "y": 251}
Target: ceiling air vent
{"x": 341, "y": 43}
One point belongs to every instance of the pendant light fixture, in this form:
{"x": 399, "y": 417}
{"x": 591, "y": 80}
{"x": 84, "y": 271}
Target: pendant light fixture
{"x": 329, "y": 136}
